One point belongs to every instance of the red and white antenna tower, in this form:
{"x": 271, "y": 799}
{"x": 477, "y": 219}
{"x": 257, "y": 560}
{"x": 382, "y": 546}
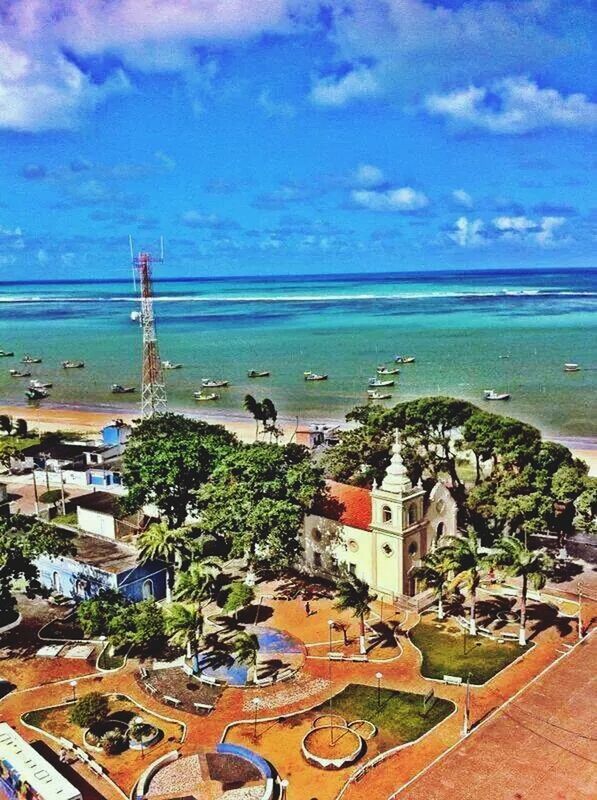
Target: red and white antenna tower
{"x": 153, "y": 392}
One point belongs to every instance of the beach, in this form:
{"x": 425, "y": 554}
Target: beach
{"x": 89, "y": 422}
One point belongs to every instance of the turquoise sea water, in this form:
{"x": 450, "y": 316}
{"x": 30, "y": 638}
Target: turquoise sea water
{"x": 456, "y": 324}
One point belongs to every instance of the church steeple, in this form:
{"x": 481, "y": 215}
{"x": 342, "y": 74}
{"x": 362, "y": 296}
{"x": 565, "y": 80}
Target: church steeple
{"x": 396, "y": 479}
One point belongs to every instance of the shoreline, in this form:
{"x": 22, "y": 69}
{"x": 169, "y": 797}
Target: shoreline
{"x": 90, "y": 419}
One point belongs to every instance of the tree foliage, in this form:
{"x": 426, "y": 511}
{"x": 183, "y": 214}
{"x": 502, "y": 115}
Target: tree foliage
{"x": 239, "y": 596}
{"x": 167, "y": 460}
{"x": 90, "y": 709}
{"x": 110, "y": 614}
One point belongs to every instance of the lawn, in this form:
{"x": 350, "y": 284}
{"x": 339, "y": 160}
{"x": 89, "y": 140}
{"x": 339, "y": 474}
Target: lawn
{"x": 448, "y": 651}
{"x": 66, "y": 519}
{"x": 399, "y": 717}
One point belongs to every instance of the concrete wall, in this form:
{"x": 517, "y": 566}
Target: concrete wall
{"x": 96, "y": 523}
{"x": 76, "y": 580}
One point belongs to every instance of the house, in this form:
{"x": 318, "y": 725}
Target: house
{"x": 379, "y": 535}
{"x": 74, "y": 463}
{"x": 100, "y": 514}
{"x": 102, "y": 563}
{"x": 116, "y": 434}
{"x": 316, "y": 435}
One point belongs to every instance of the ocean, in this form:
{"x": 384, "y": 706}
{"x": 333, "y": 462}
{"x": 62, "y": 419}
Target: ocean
{"x": 510, "y": 331}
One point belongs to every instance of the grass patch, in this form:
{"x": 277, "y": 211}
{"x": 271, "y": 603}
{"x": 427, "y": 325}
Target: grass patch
{"x": 447, "y": 651}
{"x": 36, "y": 718}
{"x": 65, "y": 519}
{"x": 399, "y": 717}
{"x": 107, "y": 661}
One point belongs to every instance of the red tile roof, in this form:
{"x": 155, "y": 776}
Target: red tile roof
{"x": 350, "y": 505}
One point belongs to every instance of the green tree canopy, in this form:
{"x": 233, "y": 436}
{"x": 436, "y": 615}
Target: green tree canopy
{"x": 256, "y": 500}
{"x": 90, "y": 709}
{"x": 140, "y": 625}
{"x": 168, "y": 458}
{"x": 239, "y": 596}
{"x": 95, "y": 614}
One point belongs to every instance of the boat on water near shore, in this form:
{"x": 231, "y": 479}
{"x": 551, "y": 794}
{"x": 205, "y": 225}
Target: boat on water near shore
{"x": 383, "y": 370}
{"x": 377, "y": 383}
{"x": 489, "y": 394}
{"x": 203, "y": 397}
{"x": 570, "y": 367}
{"x": 36, "y": 394}
{"x": 314, "y": 376}
{"x": 255, "y": 373}
{"x": 211, "y": 383}
{"x": 374, "y": 395}
{"x": 73, "y": 364}
{"x": 27, "y": 359}
{"x": 171, "y": 365}
{"x": 17, "y": 373}
{"x": 404, "y": 359}
{"x": 118, "y": 389}
{"x": 35, "y": 384}
{"x": 6, "y": 353}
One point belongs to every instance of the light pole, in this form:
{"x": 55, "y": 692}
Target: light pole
{"x": 331, "y": 624}
{"x": 381, "y": 610}
{"x": 379, "y": 676}
{"x": 73, "y": 685}
{"x": 580, "y": 588}
{"x": 467, "y": 700}
{"x": 256, "y": 703}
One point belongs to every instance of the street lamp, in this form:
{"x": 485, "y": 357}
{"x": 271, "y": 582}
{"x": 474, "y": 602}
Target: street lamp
{"x": 580, "y": 588}
{"x": 73, "y": 685}
{"x": 379, "y": 676}
{"x": 256, "y": 703}
{"x": 331, "y": 624}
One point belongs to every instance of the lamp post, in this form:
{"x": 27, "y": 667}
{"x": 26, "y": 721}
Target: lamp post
{"x": 379, "y": 676}
{"x": 73, "y": 685}
{"x": 467, "y": 700}
{"x": 580, "y": 588}
{"x": 331, "y": 624}
{"x": 256, "y": 703}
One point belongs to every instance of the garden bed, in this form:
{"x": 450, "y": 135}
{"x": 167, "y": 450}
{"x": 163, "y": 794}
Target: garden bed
{"x": 448, "y": 650}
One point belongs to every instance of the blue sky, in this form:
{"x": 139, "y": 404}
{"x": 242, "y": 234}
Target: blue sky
{"x": 296, "y": 137}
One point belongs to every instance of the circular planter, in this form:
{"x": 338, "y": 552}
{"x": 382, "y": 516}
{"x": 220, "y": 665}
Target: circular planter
{"x": 331, "y": 747}
{"x": 7, "y": 626}
{"x": 364, "y": 728}
{"x": 101, "y": 729}
{"x": 325, "y": 720}
{"x": 151, "y": 738}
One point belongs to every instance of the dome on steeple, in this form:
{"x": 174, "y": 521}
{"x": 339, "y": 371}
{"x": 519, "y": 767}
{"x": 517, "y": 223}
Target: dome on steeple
{"x": 396, "y": 478}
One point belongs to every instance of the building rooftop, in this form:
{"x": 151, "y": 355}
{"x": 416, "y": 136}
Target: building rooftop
{"x": 350, "y": 505}
{"x": 33, "y": 768}
{"x": 109, "y": 555}
{"x": 102, "y": 502}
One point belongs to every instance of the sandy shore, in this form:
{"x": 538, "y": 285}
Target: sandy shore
{"x": 90, "y": 421}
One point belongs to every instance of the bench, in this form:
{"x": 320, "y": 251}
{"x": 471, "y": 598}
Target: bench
{"x": 66, "y": 743}
{"x": 510, "y": 636}
{"x": 453, "y": 680}
{"x": 264, "y": 681}
{"x": 96, "y": 767}
{"x": 364, "y": 657}
{"x": 143, "y": 673}
{"x": 203, "y": 706}
{"x": 82, "y": 755}
{"x": 207, "y": 679}
{"x": 151, "y": 689}
{"x": 335, "y": 656}
{"x": 172, "y": 700}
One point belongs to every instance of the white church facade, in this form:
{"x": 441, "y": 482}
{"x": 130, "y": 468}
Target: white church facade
{"x": 379, "y": 535}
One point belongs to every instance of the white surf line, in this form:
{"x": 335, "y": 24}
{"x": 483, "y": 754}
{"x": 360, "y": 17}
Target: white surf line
{"x": 488, "y": 718}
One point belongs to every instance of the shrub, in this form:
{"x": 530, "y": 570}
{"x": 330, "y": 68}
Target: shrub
{"x": 114, "y": 742}
{"x": 239, "y": 596}
{"x": 89, "y": 709}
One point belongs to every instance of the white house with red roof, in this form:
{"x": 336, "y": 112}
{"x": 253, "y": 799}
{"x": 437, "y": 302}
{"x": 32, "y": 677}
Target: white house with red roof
{"x": 379, "y": 534}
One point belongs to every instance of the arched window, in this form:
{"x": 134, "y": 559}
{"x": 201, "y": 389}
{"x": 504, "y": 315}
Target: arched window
{"x": 439, "y": 531}
{"x": 147, "y": 589}
{"x": 56, "y": 582}
{"x": 386, "y": 514}
{"x": 80, "y": 588}
{"x": 412, "y": 514}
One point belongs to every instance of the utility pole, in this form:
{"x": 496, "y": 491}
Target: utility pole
{"x": 35, "y": 492}
{"x": 580, "y": 587}
{"x": 467, "y": 701}
{"x": 62, "y": 493}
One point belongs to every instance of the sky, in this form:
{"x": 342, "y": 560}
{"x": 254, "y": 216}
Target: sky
{"x": 296, "y": 136}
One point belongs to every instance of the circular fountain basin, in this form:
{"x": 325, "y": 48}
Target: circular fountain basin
{"x": 331, "y": 746}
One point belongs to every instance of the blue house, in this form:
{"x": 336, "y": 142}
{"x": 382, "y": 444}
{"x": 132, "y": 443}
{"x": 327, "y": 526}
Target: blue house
{"x": 102, "y": 563}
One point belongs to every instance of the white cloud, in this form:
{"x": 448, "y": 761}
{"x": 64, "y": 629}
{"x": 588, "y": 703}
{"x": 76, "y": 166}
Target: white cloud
{"x": 513, "y": 105}
{"x": 523, "y": 229}
{"x": 198, "y": 219}
{"x": 468, "y": 233}
{"x": 462, "y": 198}
{"x": 368, "y": 176}
{"x": 517, "y": 224}
{"x": 358, "y": 84}
{"x": 274, "y": 108}
{"x": 404, "y": 199}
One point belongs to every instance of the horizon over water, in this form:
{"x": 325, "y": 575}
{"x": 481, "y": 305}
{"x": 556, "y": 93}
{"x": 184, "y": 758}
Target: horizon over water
{"x": 456, "y": 323}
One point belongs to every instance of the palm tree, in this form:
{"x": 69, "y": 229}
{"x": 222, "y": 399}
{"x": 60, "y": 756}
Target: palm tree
{"x": 433, "y": 574}
{"x": 532, "y": 566}
{"x": 198, "y": 583}
{"x": 465, "y": 556}
{"x": 172, "y": 545}
{"x": 184, "y": 626}
{"x": 246, "y": 649}
{"x": 353, "y": 594}
{"x": 255, "y": 408}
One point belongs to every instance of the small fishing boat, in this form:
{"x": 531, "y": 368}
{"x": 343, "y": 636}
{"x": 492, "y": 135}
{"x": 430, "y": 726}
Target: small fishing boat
{"x": 73, "y": 364}
{"x": 376, "y": 383}
{"x": 36, "y": 394}
{"x": 17, "y": 373}
{"x": 570, "y": 367}
{"x": 383, "y": 370}
{"x": 6, "y": 353}
{"x": 489, "y": 394}
{"x": 378, "y": 396}
{"x": 171, "y": 365}
{"x": 118, "y": 389}
{"x": 314, "y": 376}
{"x": 255, "y": 373}
{"x": 404, "y": 359}
{"x": 27, "y": 359}
{"x": 210, "y": 383}
{"x": 135, "y": 316}
{"x": 203, "y": 397}
{"x": 505, "y": 356}
{"x": 35, "y": 384}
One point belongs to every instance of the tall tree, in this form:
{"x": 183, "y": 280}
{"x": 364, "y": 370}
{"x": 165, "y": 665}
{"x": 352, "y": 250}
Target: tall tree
{"x": 467, "y": 559}
{"x": 168, "y": 458}
{"x": 533, "y": 567}
{"x": 354, "y": 595}
{"x": 433, "y": 574}
{"x": 255, "y": 409}
{"x": 160, "y": 542}
{"x": 198, "y": 583}
{"x": 184, "y": 627}
{"x": 246, "y": 651}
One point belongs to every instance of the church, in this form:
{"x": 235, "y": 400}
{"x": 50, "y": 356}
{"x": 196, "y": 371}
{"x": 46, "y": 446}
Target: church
{"x": 379, "y": 535}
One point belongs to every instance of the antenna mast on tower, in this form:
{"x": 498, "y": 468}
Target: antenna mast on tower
{"x": 153, "y": 392}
